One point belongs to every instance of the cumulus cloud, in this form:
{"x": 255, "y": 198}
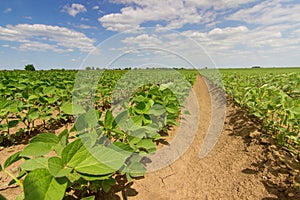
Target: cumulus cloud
{"x": 175, "y": 13}
{"x": 143, "y": 41}
{"x": 268, "y": 13}
{"x": 74, "y": 9}
{"x": 40, "y": 37}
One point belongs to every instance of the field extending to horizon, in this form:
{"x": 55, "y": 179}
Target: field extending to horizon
{"x": 86, "y": 131}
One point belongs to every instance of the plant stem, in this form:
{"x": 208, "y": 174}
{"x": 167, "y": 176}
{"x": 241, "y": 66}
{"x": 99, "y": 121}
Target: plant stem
{"x": 14, "y": 178}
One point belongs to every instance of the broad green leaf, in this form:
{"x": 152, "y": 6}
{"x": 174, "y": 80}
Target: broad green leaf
{"x": 136, "y": 168}
{"x": 72, "y": 109}
{"x": 41, "y": 185}
{"x": 109, "y": 120}
{"x": 140, "y": 108}
{"x": 36, "y": 149}
{"x": 35, "y": 163}
{"x": 32, "y": 97}
{"x": 121, "y": 118}
{"x": 147, "y": 144}
{"x": 139, "y": 98}
{"x": 91, "y": 118}
{"x": 70, "y": 150}
{"x": 171, "y": 108}
{"x": 48, "y": 138}
{"x": 120, "y": 146}
{"x": 33, "y": 114}
{"x": 63, "y": 137}
{"x": 98, "y": 160}
{"x": 81, "y": 123}
{"x": 90, "y": 177}
{"x": 56, "y": 167}
{"x": 12, "y": 159}
{"x": 134, "y": 140}
{"x": 138, "y": 119}
{"x": 49, "y": 90}
{"x": 157, "y": 110}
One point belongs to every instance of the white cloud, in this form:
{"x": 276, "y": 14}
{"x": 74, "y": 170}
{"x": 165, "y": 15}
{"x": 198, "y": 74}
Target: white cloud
{"x": 142, "y": 41}
{"x": 268, "y": 13}
{"x": 229, "y": 46}
{"x": 41, "y": 37}
{"x": 218, "y": 4}
{"x": 175, "y": 13}
{"x": 84, "y": 26}
{"x": 7, "y": 10}
{"x": 96, "y": 8}
{"x": 74, "y": 9}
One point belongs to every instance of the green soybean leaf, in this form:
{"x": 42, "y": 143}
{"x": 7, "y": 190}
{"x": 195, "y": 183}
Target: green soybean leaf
{"x": 90, "y": 177}
{"x": 109, "y": 119}
{"x": 140, "y": 108}
{"x": 136, "y": 169}
{"x": 91, "y": 118}
{"x": 147, "y": 144}
{"x": 121, "y": 118}
{"x": 99, "y": 160}
{"x": 72, "y": 109}
{"x": 40, "y": 185}
{"x": 81, "y": 123}
{"x": 171, "y": 108}
{"x": 63, "y": 137}
{"x": 33, "y": 113}
{"x": 48, "y": 138}
{"x": 36, "y": 149}
{"x": 157, "y": 110}
{"x": 138, "y": 119}
{"x": 12, "y": 159}
{"x": 35, "y": 163}
{"x": 56, "y": 167}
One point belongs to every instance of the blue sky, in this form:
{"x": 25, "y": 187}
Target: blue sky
{"x": 119, "y": 33}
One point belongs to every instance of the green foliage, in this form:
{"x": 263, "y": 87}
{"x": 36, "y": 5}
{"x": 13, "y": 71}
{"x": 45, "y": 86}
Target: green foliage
{"x": 273, "y": 96}
{"x": 106, "y": 143}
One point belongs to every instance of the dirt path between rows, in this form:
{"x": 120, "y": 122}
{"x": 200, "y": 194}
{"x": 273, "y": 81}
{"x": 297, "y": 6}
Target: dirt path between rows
{"x": 240, "y": 166}
{"x": 244, "y": 164}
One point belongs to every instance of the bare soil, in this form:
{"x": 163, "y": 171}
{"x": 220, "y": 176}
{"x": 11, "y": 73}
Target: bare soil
{"x": 244, "y": 164}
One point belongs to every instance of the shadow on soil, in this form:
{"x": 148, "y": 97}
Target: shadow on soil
{"x": 279, "y": 170}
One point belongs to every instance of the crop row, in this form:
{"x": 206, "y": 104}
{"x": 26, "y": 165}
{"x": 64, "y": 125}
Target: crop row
{"x": 273, "y": 97}
{"x": 117, "y": 119}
